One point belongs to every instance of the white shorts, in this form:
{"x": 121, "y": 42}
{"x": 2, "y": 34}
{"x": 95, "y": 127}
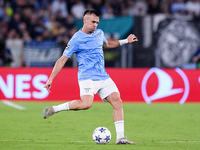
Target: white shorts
{"x": 102, "y": 87}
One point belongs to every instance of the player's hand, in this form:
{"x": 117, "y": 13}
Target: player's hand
{"x": 132, "y": 38}
{"x": 48, "y": 85}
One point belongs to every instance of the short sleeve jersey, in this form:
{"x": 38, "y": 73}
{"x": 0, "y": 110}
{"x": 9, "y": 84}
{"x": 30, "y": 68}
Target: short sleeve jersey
{"x": 88, "y": 49}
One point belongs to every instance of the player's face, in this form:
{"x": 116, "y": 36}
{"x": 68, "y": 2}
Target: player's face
{"x": 91, "y": 23}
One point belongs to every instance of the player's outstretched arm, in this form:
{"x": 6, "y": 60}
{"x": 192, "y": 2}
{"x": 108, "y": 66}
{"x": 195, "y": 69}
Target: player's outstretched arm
{"x": 58, "y": 66}
{"x": 131, "y": 38}
{"x": 112, "y": 44}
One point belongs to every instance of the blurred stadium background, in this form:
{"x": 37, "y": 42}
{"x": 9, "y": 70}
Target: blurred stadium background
{"x": 35, "y": 32}
{"x": 163, "y": 66}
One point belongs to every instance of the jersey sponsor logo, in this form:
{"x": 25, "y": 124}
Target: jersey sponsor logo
{"x": 165, "y": 86}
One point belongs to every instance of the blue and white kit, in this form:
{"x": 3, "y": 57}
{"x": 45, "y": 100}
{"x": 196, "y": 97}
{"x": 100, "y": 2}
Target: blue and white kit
{"x": 88, "y": 49}
{"x": 92, "y": 76}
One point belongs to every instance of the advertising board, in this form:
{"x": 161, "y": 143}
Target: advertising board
{"x": 135, "y": 85}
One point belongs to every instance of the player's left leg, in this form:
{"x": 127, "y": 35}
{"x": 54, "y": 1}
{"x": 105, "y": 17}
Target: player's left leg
{"x": 87, "y": 97}
{"x": 85, "y": 103}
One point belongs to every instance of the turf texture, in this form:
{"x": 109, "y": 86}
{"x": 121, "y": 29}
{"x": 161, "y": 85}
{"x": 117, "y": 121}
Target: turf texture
{"x": 158, "y": 126}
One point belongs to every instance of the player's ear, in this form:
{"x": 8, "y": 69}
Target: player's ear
{"x": 84, "y": 19}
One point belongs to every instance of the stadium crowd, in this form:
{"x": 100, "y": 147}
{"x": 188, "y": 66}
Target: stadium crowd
{"x": 24, "y": 21}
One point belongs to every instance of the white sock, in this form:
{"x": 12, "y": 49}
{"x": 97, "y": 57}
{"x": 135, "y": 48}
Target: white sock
{"x": 64, "y": 106}
{"x": 119, "y": 126}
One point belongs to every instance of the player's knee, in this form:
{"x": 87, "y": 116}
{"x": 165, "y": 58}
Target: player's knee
{"x": 87, "y": 106}
{"x": 116, "y": 101}
{"x": 117, "y": 98}
{"x": 86, "y": 102}
{"x": 119, "y": 102}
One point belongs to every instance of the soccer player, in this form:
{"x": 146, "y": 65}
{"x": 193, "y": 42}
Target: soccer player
{"x": 88, "y": 44}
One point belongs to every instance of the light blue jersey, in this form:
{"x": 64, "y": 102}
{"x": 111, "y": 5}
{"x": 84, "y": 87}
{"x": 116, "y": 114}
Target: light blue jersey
{"x": 88, "y": 49}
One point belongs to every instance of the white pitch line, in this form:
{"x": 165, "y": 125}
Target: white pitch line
{"x": 22, "y": 141}
{"x": 13, "y": 105}
{"x": 156, "y": 142}
{"x": 177, "y": 142}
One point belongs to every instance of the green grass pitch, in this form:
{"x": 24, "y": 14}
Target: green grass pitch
{"x": 158, "y": 126}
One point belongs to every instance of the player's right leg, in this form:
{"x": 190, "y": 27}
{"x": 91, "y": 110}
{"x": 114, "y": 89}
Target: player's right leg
{"x": 124, "y": 140}
{"x": 118, "y": 115}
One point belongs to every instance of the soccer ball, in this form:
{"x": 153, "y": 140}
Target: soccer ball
{"x": 101, "y": 135}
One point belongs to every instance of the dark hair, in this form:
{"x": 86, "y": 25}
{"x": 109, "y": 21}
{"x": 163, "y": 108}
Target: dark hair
{"x": 91, "y": 11}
